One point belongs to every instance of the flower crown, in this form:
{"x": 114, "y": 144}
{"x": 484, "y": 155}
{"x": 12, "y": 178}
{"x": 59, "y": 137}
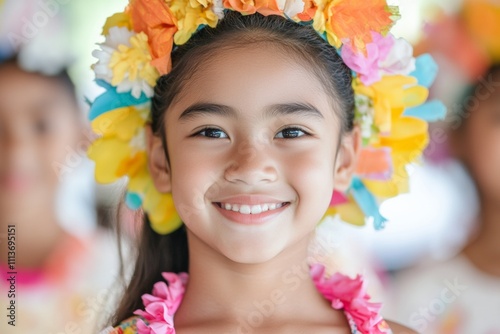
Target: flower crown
{"x": 390, "y": 93}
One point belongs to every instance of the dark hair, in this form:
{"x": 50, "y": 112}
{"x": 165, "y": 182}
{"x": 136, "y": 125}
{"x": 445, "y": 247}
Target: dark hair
{"x": 158, "y": 253}
{"x": 469, "y": 94}
{"x": 62, "y": 77}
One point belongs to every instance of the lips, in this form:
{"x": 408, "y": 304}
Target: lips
{"x": 15, "y": 183}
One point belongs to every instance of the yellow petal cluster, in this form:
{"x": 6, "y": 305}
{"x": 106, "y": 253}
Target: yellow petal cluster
{"x": 133, "y": 62}
{"x": 115, "y": 158}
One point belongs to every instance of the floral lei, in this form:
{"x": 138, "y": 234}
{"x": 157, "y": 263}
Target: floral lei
{"x": 390, "y": 85}
{"x": 343, "y": 293}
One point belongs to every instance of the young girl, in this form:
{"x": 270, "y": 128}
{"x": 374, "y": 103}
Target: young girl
{"x": 52, "y": 281}
{"x": 462, "y": 294}
{"x": 48, "y": 267}
{"x": 251, "y": 130}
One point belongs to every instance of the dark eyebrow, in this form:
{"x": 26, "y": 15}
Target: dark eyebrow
{"x": 274, "y": 110}
{"x": 304, "y": 109}
{"x": 43, "y": 107}
{"x": 207, "y": 108}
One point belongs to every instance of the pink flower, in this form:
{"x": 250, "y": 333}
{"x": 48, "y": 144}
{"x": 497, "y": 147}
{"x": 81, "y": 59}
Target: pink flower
{"x": 349, "y": 295}
{"x": 384, "y": 55}
{"x": 160, "y": 307}
{"x": 367, "y": 65}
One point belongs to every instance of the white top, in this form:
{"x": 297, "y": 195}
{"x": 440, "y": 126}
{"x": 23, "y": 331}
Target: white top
{"x": 446, "y": 297}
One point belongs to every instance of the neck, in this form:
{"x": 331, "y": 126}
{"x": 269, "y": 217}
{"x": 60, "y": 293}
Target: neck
{"x": 483, "y": 249}
{"x": 37, "y": 233}
{"x": 221, "y": 289}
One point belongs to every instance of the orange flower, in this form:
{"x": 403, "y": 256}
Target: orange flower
{"x": 155, "y": 18}
{"x": 310, "y": 8}
{"x": 268, "y": 7}
{"x": 242, "y": 6}
{"x": 356, "y": 19}
{"x": 247, "y": 7}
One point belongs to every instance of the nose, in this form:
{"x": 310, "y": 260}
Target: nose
{"x": 15, "y": 149}
{"x": 251, "y": 164}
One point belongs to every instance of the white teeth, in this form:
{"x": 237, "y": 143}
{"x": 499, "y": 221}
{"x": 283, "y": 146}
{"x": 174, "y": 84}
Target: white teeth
{"x": 251, "y": 209}
{"x": 245, "y": 209}
{"x": 256, "y": 209}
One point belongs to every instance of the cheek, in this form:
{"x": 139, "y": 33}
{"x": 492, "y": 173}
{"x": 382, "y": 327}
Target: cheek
{"x": 483, "y": 156}
{"x": 191, "y": 175}
{"x": 62, "y": 149}
{"x": 312, "y": 175}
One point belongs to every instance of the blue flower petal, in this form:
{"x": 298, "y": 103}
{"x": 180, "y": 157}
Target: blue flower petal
{"x": 111, "y": 100}
{"x": 367, "y": 203}
{"x": 133, "y": 200}
{"x": 426, "y": 70}
{"x": 430, "y": 111}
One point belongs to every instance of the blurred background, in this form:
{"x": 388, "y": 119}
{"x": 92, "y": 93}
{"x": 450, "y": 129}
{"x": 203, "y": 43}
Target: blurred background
{"x": 68, "y": 263}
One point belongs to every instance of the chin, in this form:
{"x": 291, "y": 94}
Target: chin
{"x": 255, "y": 251}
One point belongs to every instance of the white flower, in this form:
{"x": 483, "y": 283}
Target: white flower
{"x": 291, "y": 7}
{"x": 135, "y": 87}
{"x": 138, "y": 142}
{"x": 365, "y": 111}
{"x": 218, "y": 8}
{"x": 399, "y": 60}
{"x": 138, "y": 75}
{"x": 117, "y": 36}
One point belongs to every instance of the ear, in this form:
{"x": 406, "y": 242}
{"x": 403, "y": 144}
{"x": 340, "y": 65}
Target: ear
{"x": 347, "y": 158}
{"x": 157, "y": 162}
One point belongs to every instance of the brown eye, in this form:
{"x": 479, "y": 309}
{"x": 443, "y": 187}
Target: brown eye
{"x": 212, "y": 133}
{"x": 43, "y": 126}
{"x": 291, "y": 133}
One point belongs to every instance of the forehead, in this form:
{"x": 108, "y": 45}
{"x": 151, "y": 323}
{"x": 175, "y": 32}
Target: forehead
{"x": 22, "y": 92}
{"x": 253, "y": 77}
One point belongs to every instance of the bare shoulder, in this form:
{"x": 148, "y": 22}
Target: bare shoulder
{"x": 400, "y": 329}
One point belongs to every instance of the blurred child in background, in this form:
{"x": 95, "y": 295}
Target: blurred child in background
{"x": 60, "y": 277}
{"x": 461, "y": 295}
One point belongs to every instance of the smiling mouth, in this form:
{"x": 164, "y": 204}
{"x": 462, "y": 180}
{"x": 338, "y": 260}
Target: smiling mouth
{"x": 251, "y": 209}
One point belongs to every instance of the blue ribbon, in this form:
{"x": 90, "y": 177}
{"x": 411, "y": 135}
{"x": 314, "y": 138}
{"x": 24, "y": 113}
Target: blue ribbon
{"x": 111, "y": 100}
{"x": 133, "y": 200}
{"x": 367, "y": 203}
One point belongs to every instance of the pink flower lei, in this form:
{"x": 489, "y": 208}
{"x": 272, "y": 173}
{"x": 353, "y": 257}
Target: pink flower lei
{"x": 345, "y": 293}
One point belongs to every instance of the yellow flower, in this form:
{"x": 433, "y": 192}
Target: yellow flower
{"x": 117, "y": 20}
{"x": 405, "y": 136}
{"x": 390, "y": 96}
{"x": 349, "y": 212}
{"x": 132, "y": 65}
{"x": 190, "y": 14}
{"x": 117, "y": 154}
{"x": 408, "y": 139}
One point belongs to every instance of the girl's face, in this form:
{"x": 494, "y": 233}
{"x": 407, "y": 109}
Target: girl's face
{"x": 38, "y": 125}
{"x": 479, "y": 143}
{"x": 252, "y": 130}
